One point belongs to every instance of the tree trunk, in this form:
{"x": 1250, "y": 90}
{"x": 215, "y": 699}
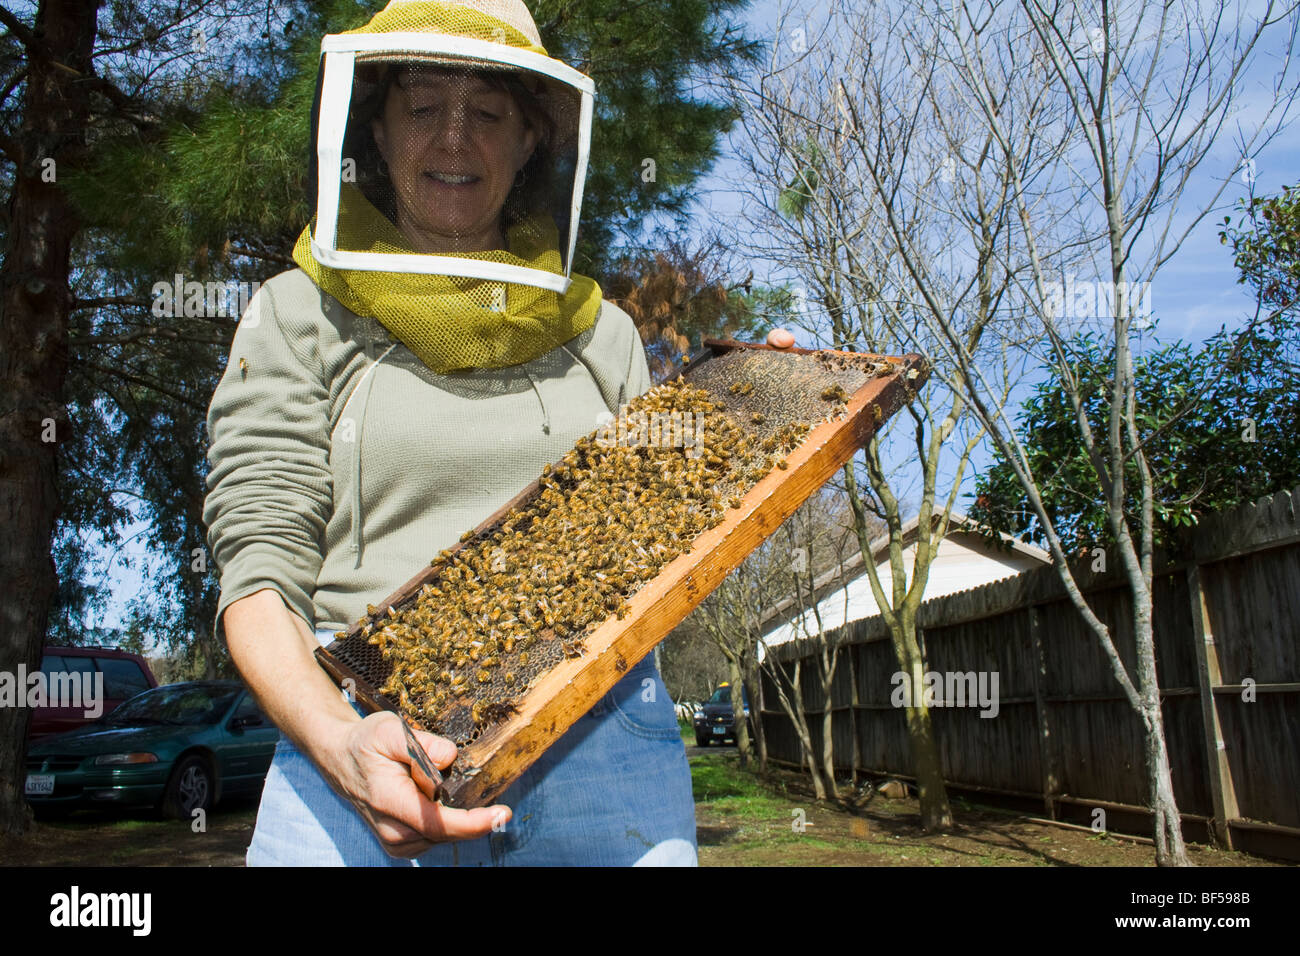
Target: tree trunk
{"x": 1170, "y": 849}
{"x": 34, "y": 308}
{"x": 792, "y": 704}
{"x": 828, "y": 720}
{"x": 756, "y": 707}
{"x": 936, "y": 814}
{"x": 828, "y": 752}
{"x": 737, "y": 679}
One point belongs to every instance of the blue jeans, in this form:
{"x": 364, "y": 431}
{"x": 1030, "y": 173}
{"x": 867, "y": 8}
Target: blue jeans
{"x": 615, "y": 790}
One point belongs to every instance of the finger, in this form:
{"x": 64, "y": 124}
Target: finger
{"x": 402, "y": 802}
{"x": 443, "y": 824}
{"x": 432, "y": 822}
{"x": 410, "y": 814}
{"x": 393, "y": 832}
{"x": 403, "y": 848}
{"x": 440, "y": 750}
{"x": 780, "y": 339}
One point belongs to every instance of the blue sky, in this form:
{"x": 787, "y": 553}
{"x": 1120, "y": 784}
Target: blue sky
{"x": 1194, "y": 294}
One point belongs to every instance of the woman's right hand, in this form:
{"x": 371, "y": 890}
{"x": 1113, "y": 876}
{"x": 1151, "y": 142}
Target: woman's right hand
{"x": 371, "y": 768}
{"x": 364, "y": 760}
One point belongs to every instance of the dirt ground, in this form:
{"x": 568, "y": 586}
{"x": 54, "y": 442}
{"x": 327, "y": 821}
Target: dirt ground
{"x": 135, "y": 838}
{"x": 740, "y": 821}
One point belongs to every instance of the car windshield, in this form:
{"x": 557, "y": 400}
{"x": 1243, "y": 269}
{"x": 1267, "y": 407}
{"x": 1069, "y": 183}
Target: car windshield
{"x": 723, "y": 696}
{"x": 176, "y": 704}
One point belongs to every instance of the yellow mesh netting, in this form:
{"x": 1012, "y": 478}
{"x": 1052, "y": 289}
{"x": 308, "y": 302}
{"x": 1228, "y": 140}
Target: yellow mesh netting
{"x": 430, "y": 16}
{"x": 453, "y": 323}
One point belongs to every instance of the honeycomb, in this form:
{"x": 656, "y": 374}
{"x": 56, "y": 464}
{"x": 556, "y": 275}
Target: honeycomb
{"x": 518, "y": 597}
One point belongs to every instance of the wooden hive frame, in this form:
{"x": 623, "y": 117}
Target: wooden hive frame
{"x": 568, "y": 690}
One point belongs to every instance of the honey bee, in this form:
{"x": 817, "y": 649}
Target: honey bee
{"x": 834, "y": 393}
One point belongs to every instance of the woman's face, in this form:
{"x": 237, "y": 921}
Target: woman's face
{"x": 453, "y": 145}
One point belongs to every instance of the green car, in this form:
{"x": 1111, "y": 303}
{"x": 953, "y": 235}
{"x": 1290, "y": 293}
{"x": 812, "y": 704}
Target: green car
{"x": 179, "y": 748}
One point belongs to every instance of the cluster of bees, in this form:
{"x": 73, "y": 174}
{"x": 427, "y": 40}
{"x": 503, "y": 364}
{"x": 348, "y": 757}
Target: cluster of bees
{"x": 840, "y": 362}
{"x": 516, "y": 599}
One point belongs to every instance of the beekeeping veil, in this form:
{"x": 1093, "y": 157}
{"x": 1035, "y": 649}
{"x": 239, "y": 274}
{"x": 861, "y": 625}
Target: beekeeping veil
{"x": 450, "y": 154}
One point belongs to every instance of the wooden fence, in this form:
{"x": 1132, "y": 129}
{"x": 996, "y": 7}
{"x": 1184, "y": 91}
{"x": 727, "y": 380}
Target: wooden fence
{"x": 1227, "y": 638}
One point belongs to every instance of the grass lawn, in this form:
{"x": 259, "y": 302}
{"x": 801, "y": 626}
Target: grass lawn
{"x": 742, "y": 820}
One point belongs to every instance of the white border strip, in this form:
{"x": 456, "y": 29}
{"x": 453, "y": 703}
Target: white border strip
{"x": 332, "y": 123}
{"x": 427, "y": 264}
{"x": 579, "y": 176}
{"x": 415, "y": 42}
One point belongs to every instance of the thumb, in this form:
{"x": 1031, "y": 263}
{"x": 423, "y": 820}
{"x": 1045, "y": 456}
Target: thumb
{"x": 440, "y": 750}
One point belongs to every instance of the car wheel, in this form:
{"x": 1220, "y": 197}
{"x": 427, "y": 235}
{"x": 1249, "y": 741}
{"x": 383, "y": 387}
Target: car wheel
{"x": 189, "y": 789}
{"x": 701, "y": 741}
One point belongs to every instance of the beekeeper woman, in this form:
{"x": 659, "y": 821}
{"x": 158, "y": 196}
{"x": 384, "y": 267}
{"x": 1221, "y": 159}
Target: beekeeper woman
{"x": 430, "y": 355}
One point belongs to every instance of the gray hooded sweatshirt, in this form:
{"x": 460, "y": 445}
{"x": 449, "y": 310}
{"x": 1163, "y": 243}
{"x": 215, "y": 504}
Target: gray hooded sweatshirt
{"x": 341, "y": 465}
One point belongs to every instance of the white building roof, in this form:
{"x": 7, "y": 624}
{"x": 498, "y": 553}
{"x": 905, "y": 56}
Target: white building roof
{"x": 965, "y": 559}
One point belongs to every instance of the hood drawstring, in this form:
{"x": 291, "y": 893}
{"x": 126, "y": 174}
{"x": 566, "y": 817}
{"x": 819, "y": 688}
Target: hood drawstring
{"x": 546, "y": 417}
{"x": 363, "y": 389}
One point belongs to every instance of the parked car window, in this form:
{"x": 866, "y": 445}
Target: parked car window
{"x": 248, "y": 708}
{"x": 176, "y": 704}
{"x": 58, "y": 664}
{"x": 122, "y": 678}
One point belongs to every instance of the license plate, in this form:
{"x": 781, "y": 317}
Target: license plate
{"x": 39, "y": 783}
{"x": 720, "y": 730}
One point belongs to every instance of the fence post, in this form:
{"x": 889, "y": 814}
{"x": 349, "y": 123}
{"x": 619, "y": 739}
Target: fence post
{"x": 1046, "y": 745}
{"x": 1222, "y": 791}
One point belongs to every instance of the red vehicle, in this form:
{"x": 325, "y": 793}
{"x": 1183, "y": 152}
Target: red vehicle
{"x": 124, "y": 676}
